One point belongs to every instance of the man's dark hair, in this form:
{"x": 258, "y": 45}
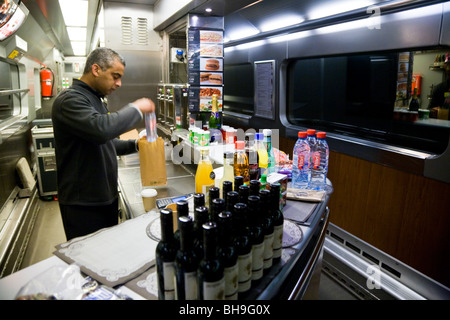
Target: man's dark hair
{"x": 104, "y": 57}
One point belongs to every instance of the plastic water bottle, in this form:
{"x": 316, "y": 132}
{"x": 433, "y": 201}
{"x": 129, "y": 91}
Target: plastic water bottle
{"x": 319, "y": 169}
{"x": 300, "y": 163}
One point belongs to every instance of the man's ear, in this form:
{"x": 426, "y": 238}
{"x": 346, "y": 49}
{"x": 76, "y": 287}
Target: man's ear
{"x": 95, "y": 69}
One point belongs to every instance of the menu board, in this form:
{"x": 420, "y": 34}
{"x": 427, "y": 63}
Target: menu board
{"x": 205, "y": 62}
{"x": 265, "y": 89}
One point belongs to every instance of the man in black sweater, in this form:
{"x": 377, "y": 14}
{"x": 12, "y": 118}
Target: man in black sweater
{"x": 86, "y": 144}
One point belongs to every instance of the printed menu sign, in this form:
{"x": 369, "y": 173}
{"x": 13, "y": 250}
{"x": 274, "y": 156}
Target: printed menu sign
{"x": 205, "y": 62}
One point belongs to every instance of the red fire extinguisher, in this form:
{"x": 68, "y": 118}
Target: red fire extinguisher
{"x": 46, "y": 82}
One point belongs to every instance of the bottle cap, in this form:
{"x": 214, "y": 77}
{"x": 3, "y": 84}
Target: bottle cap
{"x": 259, "y": 136}
{"x": 302, "y": 134}
{"x": 310, "y": 132}
{"x": 267, "y": 132}
{"x": 321, "y": 135}
{"x": 240, "y": 145}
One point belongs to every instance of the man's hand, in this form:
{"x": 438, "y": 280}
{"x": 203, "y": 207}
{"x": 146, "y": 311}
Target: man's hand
{"x": 146, "y": 105}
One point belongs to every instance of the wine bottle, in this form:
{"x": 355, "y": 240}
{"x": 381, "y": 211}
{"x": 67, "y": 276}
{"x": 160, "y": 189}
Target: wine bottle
{"x": 186, "y": 262}
{"x": 267, "y": 227}
{"x": 211, "y": 280}
{"x": 218, "y": 205}
{"x": 201, "y": 216}
{"x": 238, "y": 181}
{"x": 254, "y": 187}
{"x": 244, "y": 192}
{"x": 240, "y": 162}
{"x": 182, "y": 210}
{"x": 278, "y": 220}
{"x": 214, "y": 193}
{"x": 228, "y": 254}
{"x": 199, "y": 200}
{"x": 165, "y": 257}
{"x": 243, "y": 246}
{"x": 256, "y": 237}
{"x": 227, "y": 186}
{"x": 231, "y": 200}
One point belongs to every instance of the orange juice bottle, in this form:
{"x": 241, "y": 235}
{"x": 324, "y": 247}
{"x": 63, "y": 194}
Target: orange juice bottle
{"x": 204, "y": 176}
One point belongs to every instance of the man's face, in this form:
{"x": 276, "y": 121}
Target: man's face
{"x": 109, "y": 80}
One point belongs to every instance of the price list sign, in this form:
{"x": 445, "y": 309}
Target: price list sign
{"x": 205, "y": 62}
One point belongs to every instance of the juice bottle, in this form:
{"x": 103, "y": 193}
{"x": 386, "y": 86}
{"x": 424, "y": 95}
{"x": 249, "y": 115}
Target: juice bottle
{"x": 228, "y": 171}
{"x": 240, "y": 162}
{"x": 262, "y": 153}
{"x": 204, "y": 176}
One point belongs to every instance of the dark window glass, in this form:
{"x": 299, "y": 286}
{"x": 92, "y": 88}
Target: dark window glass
{"x": 239, "y": 88}
{"x": 355, "y": 95}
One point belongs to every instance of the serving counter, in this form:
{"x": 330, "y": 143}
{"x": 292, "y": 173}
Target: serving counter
{"x": 294, "y": 277}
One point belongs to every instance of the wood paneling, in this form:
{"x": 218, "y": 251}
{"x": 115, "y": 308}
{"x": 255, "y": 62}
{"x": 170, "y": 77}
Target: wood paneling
{"x": 405, "y": 215}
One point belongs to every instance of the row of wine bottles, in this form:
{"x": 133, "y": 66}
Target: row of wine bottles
{"x": 224, "y": 249}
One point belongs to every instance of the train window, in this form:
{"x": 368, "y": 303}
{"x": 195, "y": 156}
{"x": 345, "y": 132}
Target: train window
{"x": 367, "y": 96}
{"x": 9, "y": 74}
{"x": 239, "y": 88}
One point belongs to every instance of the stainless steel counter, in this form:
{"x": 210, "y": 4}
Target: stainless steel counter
{"x": 288, "y": 279}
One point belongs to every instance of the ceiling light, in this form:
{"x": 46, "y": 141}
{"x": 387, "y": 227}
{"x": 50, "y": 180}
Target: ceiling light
{"x": 336, "y": 8}
{"x": 208, "y": 10}
{"x": 281, "y": 22}
{"x": 77, "y": 33}
{"x": 75, "y": 12}
{"x": 79, "y": 48}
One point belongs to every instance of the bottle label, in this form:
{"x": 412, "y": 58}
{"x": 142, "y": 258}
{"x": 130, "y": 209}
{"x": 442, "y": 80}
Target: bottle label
{"x": 190, "y": 285}
{"x": 277, "y": 240}
{"x": 268, "y": 250}
{"x": 316, "y": 160}
{"x": 214, "y": 290}
{"x": 257, "y": 260}
{"x": 245, "y": 272}
{"x": 169, "y": 280}
{"x": 231, "y": 282}
{"x": 301, "y": 161}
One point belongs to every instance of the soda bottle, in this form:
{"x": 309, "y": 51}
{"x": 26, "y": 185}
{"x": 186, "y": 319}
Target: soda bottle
{"x": 319, "y": 170}
{"x": 204, "y": 176}
{"x": 300, "y": 162}
{"x": 268, "y": 143}
{"x": 240, "y": 162}
{"x": 228, "y": 171}
{"x": 252, "y": 155}
{"x": 262, "y": 153}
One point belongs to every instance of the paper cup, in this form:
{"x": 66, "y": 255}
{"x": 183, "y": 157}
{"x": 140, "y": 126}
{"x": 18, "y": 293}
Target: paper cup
{"x": 149, "y": 199}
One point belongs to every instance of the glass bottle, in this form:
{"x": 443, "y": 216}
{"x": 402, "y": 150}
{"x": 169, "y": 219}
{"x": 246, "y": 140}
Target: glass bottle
{"x": 271, "y": 164}
{"x": 262, "y": 153}
{"x": 214, "y": 118}
{"x": 266, "y": 222}
{"x": 214, "y": 193}
{"x": 228, "y": 170}
{"x": 232, "y": 198}
{"x": 201, "y": 216}
{"x": 165, "y": 257}
{"x": 199, "y": 200}
{"x": 218, "y": 205}
{"x": 227, "y": 186}
{"x": 254, "y": 187}
{"x": 186, "y": 262}
{"x": 211, "y": 280}
{"x": 256, "y": 237}
{"x": 204, "y": 176}
{"x": 240, "y": 162}
{"x": 238, "y": 181}
{"x": 229, "y": 255}
{"x": 243, "y": 246}
{"x": 244, "y": 192}
{"x": 278, "y": 220}
{"x": 182, "y": 211}
{"x": 252, "y": 155}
